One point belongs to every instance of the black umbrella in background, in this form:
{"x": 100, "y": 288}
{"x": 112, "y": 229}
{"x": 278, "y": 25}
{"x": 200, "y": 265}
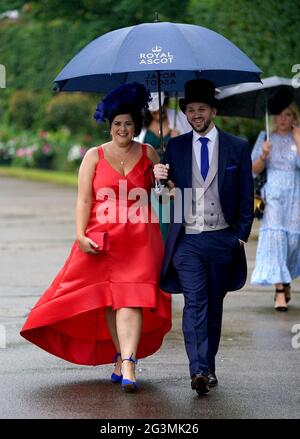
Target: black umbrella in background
{"x": 251, "y": 99}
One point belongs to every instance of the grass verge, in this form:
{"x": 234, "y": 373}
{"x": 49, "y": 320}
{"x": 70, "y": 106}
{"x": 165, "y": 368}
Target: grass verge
{"x": 65, "y": 178}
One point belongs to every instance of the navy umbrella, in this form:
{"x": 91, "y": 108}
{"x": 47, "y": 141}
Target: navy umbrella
{"x": 251, "y": 100}
{"x": 160, "y": 55}
{"x": 179, "y": 51}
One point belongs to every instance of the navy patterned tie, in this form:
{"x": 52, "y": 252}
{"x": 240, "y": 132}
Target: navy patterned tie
{"x": 204, "y": 157}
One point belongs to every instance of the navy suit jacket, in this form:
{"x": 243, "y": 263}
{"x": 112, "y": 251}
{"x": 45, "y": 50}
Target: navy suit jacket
{"x": 235, "y": 184}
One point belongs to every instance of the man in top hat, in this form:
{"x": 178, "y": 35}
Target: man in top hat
{"x": 204, "y": 256}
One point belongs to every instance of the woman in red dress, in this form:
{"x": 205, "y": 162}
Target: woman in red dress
{"x": 105, "y": 304}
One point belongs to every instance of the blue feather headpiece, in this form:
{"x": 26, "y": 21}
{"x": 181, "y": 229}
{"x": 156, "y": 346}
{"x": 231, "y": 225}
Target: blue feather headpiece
{"x": 134, "y": 96}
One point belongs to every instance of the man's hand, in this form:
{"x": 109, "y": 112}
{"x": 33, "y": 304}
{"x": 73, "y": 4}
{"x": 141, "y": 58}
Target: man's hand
{"x": 161, "y": 171}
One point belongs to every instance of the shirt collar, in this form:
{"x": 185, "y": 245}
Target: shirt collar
{"x": 211, "y": 135}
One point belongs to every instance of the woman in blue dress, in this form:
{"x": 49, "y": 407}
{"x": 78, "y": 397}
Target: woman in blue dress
{"x": 278, "y": 250}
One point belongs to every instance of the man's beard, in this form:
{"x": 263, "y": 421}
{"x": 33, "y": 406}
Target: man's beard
{"x": 204, "y": 128}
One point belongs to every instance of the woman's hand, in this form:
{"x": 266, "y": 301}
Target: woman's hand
{"x": 266, "y": 149}
{"x": 87, "y": 245}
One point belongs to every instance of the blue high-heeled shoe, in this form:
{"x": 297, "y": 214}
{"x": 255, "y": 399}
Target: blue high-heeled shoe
{"x": 114, "y": 377}
{"x": 128, "y": 385}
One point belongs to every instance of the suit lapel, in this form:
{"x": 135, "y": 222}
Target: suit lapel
{"x": 188, "y": 153}
{"x": 223, "y": 155}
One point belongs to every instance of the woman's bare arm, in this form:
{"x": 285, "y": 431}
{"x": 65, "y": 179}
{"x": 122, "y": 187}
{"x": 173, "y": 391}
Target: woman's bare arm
{"x": 85, "y": 196}
{"x": 152, "y": 154}
{"x": 259, "y": 165}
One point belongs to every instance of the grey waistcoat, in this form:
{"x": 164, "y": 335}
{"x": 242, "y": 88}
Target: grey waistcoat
{"x": 205, "y": 211}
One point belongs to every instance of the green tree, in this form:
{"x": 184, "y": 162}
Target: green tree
{"x": 8, "y": 5}
{"x": 50, "y": 32}
{"x": 267, "y": 31}
{"x": 111, "y": 15}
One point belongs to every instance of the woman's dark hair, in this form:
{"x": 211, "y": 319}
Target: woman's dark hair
{"x": 137, "y": 117}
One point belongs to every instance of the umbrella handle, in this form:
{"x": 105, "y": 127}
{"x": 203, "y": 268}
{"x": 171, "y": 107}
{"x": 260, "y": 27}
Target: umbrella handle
{"x": 267, "y": 125}
{"x": 162, "y": 183}
{"x": 162, "y": 145}
{"x": 175, "y": 112}
{"x": 160, "y": 104}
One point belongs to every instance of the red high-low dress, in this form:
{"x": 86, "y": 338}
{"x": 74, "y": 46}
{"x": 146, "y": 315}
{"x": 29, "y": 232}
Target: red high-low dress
{"x": 69, "y": 319}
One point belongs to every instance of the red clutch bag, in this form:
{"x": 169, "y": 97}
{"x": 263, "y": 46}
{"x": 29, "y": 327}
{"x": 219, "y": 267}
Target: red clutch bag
{"x": 101, "y": 239}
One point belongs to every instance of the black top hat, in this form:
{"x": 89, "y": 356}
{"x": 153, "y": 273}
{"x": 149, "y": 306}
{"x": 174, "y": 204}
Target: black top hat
{"x": 199, "y": 90}
{"x": 282, "y": 98}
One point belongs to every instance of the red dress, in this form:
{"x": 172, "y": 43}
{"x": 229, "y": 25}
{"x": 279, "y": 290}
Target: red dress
{"x": 69, "y": 319}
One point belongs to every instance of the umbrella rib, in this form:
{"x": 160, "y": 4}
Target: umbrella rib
{"x": 122, "y": 43}
{"x": 184, "y": 37}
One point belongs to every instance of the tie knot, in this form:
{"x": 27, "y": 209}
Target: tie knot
{"x": 203, "y": 140}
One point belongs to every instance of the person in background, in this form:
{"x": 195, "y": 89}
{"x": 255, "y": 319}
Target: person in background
{"x": 150, "y": 132}
{"x": 105, "y": 304}
{"x": 278, "y": 251}
{"x": 204, "y": 256}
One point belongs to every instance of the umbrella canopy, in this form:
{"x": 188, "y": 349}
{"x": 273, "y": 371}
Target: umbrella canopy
{"x": 250, "y": 100}
{"x": 156, "y": 54}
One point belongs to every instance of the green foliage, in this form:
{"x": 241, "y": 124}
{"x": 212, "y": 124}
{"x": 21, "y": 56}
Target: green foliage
{"x": 111, "y": 15}
{"x": 49, "y": 33}
{"x": 246, "y": 128}
{"x": 23, "y": 106}
{"x": 34, "y": 52}
{"x": 73, "y": 110}
{"x": 267, "y": 31}
{"x": 8, "y": 5}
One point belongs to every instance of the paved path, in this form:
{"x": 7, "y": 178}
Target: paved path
{"x": 258, "y": 370}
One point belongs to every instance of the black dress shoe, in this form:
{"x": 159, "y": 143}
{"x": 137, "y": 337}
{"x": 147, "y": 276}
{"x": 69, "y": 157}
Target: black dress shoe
{"x": 200, "y": 384}
{"x": 212, "y": 379}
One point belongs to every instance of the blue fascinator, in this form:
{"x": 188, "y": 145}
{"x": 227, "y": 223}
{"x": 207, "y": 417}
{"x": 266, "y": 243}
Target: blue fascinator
{"x": 134, "y": 96}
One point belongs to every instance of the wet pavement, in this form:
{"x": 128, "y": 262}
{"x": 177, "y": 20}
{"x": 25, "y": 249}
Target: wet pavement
{"x": 258, "y": 368}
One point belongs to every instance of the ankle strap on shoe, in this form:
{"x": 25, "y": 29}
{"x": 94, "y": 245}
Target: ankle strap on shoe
{"x": 115, "y": 357}
{"x": 135, "y": 361}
